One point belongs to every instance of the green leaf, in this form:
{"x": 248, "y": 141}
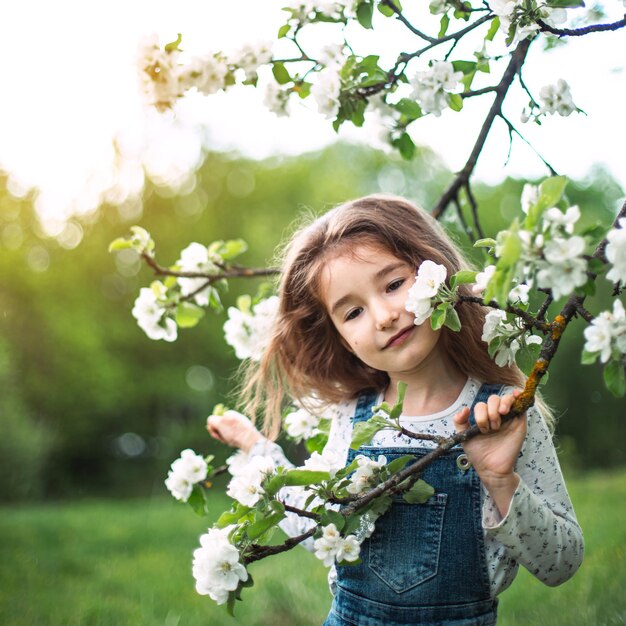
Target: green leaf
{"x": 280, "y": 73}
{"x": 405, "y": 145}
{"x": 317, "y": 443}
{"x": 463, "y": 277}
{"x": 452, "y": 320}
{"x": 300, "y": 478}
{"x": 565, "y": 4}
{"x": 464, "y": 66}
{"x": 120, "y": 244}
{"x": 381, "y": 505}
{"x": 485, "y": 243}
{"x": 614, "y": 378}
{"x": 214, "y": 300}
{"x": 443, "y": 26}
{"x": 587, "y": 358}
{"x": 173, "y": 45}
{"x": 550, "y": 192}
{"x": 419, "y": 493}
{"x": 261, "y": 526}
{"x": 494, "y": 346}
{"x": 397, "y": 464}
{"x": 455, "y": 101}
{"x": 364, "y": 14}
{"x": 333, "y": 517}
{"x": 198, "y": 502}
{"x": 230, "y": 605}
{"x": 409, "y": 108}
{"x": 275, "y": 484}
{"x": 188, "y": 314}
{"x": 303, "y": 89}
{"x": 493, "y": 29}
{"x": 232, "y": 248}
{"x": 438, "y": 318}
{"x": 244, "y": 303}
{"x": 363, "y": 432}
{"x": 596, "y": 265}
{"x": 233, "y": 516}
{"x": 283, "y": 30}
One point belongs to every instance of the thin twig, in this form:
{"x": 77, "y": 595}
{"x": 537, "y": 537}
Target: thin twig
{"x": 474, "y": 206}
{"x": 512, "y": 130}
{"x": 301, "y": 512}
{"x": 530, "y": 320}
{"x": 517, "y": 58}
{"x": 256, "y": 552}
{"x": 585, "y": 30}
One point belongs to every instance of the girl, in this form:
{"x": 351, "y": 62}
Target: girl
{"x": 344, "y": 338}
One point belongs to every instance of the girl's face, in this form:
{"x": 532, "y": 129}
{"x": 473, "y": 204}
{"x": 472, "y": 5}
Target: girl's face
{"x": 364, "y": 292}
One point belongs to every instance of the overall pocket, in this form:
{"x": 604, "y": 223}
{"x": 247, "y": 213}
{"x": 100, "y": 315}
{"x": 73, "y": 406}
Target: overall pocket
{"x": 404, "y": 549}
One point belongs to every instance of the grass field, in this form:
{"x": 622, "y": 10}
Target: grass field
{"x": 124, "y": 563}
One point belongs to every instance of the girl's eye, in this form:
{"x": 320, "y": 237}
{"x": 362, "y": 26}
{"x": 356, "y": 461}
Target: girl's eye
{"x": 352, "y": 314}
{"x": 396, "y": 284}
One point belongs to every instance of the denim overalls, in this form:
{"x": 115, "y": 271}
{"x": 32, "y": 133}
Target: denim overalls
{"x": 424, "y": 563}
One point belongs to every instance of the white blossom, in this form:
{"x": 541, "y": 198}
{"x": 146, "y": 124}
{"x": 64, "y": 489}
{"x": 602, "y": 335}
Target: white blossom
{"x": 325, "y": 91}
{"x": 251, "y": 56}
{"x": 556, "y": 220}
{"x": 301, "y": 424}
{"x": 482, "y": 280}
{"x": 557, "y": 99}
{"x": 530, "y": 196}
{"x": 189, "y": 469}
{"x": 158, "y": 73}
{"x": 206, "y": 73}
{"x": 277, "y": 99}
{"x": 195, "y": 258}
{"x": 363, "y": 477}
{"x": 519, "y": 293}
{"x": 438, "y": 7}
{"x": 246, "y": 486}
{"x": 249, "y": 333}
{"x": 430, "y": 276}
{"x": 217, "y": 565}
{"x": 331, "y": 54}
{"x": 331, "y": 545}
{"x": 237, "y": 462}
{"x": 616, "y": 252}
{"x": 349, "y": 549}
{"x": 329, "y": 461}
{"x": 431, "y": 88}
{"x": 607, "y": 330}
{"x": 562, "y": 278}
{"x": 494, "y": 324}
{"x": 150, "y": 313}
{"x": 561, "y": 249}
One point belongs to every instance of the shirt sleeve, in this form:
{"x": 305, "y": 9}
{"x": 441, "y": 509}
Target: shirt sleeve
{"x": 540, "y": 530}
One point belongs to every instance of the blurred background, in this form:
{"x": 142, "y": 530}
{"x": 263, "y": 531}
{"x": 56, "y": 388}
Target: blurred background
{"x": 92, "y": 412}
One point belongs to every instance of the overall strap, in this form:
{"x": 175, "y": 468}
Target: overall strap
{"x": 483, "y": 394}
{"x": 364, "y": 405}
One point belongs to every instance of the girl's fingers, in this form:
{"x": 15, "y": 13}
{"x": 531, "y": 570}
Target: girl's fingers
{"x": 493, "y": 410}
{"x": 211, "y": 425}
{"x": 461, "y": 420}
{"x": 481, "y": 416}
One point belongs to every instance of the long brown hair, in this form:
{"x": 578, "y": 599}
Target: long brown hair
{"x": 305, "y": 358}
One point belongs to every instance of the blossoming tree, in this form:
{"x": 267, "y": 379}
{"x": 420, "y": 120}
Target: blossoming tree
{"x": 543, "y": 251}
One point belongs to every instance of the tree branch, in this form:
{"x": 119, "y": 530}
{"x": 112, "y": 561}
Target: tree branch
{"x": 462, "y": 178}
{"x": 256, "y": 553}
{"x": 585, "y": 30}
{"x": 530, "y": 320}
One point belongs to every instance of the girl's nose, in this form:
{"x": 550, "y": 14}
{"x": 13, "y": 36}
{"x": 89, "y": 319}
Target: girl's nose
{"x": 385, "y": 317}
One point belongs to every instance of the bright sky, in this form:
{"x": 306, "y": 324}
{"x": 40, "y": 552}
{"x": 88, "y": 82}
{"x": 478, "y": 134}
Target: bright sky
{"x": 72, "y": 125}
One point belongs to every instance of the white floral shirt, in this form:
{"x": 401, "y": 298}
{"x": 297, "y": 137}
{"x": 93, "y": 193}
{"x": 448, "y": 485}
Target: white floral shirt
{"x": 539, "y": 531}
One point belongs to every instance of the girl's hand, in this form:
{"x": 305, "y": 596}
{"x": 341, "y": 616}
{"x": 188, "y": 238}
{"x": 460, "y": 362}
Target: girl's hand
{"x": 233, "y": 429}
{"x": 494, "y": 453}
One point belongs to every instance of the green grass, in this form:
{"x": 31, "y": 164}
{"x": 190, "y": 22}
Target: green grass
{"x": 128, "y": 563}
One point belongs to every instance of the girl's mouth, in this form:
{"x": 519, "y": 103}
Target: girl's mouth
{"x": 400, "y": 337}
